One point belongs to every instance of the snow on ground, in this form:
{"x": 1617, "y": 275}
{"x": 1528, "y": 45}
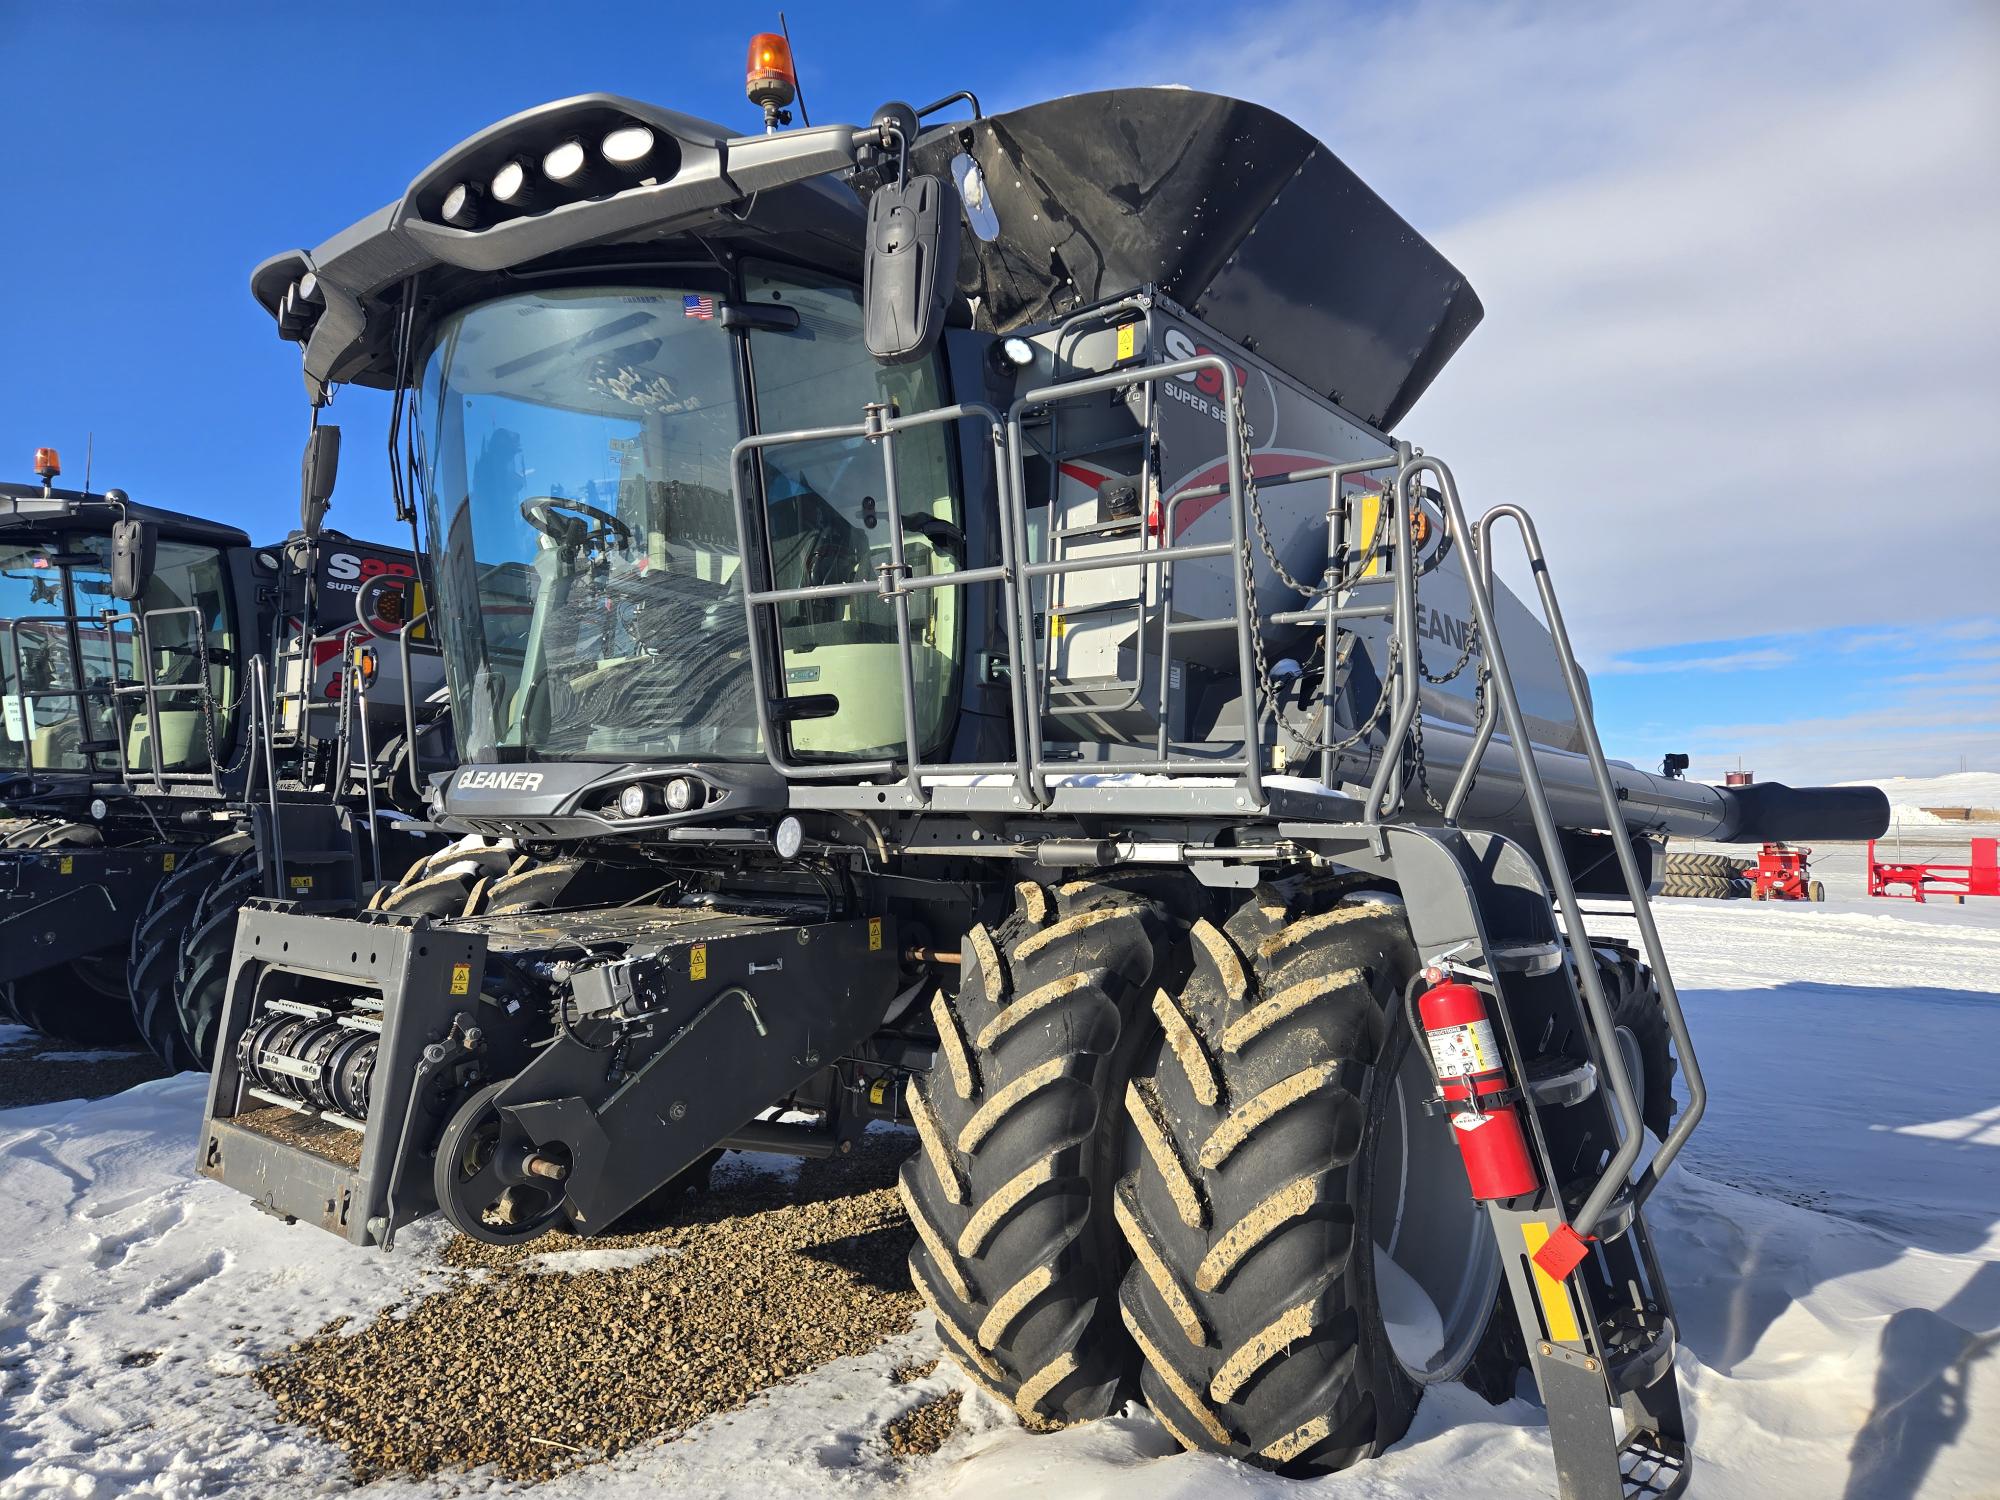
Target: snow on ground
{"x": 1833, "y": 1243}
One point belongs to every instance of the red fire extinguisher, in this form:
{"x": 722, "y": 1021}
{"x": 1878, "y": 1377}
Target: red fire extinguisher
{"x": 1470, "y": 1069}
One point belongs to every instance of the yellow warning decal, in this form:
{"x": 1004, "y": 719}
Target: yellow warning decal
{"x": 166, "y": 861}
{"x": 874, "y": 934}
{"x": 878, "y": 1092}
{"x": 66, "y": 864}
{"x": 461, "y": 979}
{"x": 698, "y": 961}
{"x": 302, "y": 882}
{"x": 1127, "y": 340}
{"x": 1557, "y": 1310}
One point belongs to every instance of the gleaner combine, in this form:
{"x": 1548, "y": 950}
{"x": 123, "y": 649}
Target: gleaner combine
{"x": 940, "y": 629}
{"x": 176, "y": 711}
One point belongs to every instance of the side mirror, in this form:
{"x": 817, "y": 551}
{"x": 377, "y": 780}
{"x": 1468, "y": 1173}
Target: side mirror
{"x": 911, "y": 269}
{"x": 133, "y": 544}
{"x": 316, "y": 476}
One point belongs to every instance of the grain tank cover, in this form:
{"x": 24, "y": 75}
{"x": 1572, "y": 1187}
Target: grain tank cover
{"x": 1231, "y": 210}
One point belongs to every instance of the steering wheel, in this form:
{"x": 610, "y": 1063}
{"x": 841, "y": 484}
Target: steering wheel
{"x": 568, "y": 523}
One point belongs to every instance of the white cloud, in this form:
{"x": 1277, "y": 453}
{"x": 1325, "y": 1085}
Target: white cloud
{"x": 1757, "y": 659}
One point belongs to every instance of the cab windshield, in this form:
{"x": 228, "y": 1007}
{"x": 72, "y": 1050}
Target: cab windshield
{"x": 65, "y": 643}
{"x": 575, "y": 446}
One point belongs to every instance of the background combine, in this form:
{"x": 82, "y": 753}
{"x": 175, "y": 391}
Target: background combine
{"x": 939, "y": 629}
{"x": 184, "y": 729}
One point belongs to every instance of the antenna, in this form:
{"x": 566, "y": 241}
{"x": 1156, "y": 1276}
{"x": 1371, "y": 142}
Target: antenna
{"x": 89, "y": 451}
{"x": 804, "y": 118}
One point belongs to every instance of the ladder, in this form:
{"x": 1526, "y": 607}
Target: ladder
{"x": 1582, "y": 1276}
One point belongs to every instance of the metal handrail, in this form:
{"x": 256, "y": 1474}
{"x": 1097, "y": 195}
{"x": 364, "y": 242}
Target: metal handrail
{"x": 1628, "y": 865}
{"x": 894, "y": 583}
{"x": 1616, "y": 1174}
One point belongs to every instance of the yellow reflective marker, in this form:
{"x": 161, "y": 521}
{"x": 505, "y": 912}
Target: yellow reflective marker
{"x": 698, "y": 961}
{"x": 1557, "y": 1310}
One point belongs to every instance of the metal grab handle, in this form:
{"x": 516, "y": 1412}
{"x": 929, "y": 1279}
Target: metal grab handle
{"x": 1628, "y": 864}
{"x": 1616, "y": 1172}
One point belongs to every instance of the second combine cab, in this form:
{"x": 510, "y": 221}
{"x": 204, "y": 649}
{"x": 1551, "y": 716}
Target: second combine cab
{"x": 941, "y": 628}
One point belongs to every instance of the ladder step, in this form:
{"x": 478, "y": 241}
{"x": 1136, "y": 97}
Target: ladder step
{"x": 1557, "y": 1082}
{"x": 1638, "y": 1349}
{"x": 1651, "y": 1467}
{"x": 1539, "y": 956}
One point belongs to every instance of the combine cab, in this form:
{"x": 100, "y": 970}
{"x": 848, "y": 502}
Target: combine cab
{"x": 941, "y": 628}
{"x": 179, "y": 733}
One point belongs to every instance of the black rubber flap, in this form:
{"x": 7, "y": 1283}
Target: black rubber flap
{"x": 1228, "y": 208}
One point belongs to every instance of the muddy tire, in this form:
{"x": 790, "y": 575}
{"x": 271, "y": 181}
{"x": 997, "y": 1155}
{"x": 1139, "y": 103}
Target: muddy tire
{"x": 153, "y": 968}
{"x": 1274, "y": 1123}
{"x": 1018, "y": 1254}
{"x": 1641, "y": 1023}
{"x": 475, "y": 875}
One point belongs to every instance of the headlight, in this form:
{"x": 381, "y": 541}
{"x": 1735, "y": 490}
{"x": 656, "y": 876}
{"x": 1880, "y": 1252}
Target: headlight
{"x": 628, "y": 146}
{"x": 680, "y": 794}
{"x": 566, "y": 162}
{"x": 789, "y": 838}
{"x": 635, "y": 800}
{"x": 457, "y": 206}
{"x": 510, "y": 183}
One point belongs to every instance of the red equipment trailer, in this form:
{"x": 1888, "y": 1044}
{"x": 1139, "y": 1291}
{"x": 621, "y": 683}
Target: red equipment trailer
{"x": 1979, "y": 878}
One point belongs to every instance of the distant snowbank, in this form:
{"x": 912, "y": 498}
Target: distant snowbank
{"x": 1910, "y": 795}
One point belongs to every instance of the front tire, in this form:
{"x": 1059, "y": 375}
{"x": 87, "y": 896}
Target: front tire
{"x": 1017, "y": 1253}
{"x": 153, "y": 969}
{"x": 1283, "y": 1168}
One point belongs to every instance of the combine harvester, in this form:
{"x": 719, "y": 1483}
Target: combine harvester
{"x": 940, "y": 629}
{"x": 175, "y": 718}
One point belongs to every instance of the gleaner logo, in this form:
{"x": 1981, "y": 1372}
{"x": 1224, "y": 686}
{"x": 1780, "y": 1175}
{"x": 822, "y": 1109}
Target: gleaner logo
{"x": 499, "y": 781}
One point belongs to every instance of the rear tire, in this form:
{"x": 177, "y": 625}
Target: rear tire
{"x": 153, "y": 970}
{"x": 1017, "y": 1252}
{"x": 1278, "y": 1144}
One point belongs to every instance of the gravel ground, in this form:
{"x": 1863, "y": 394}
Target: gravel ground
{"x": 924, "y": 1429}
{"x": 545, "y": 1356}
{"x": 35, "y": 1070}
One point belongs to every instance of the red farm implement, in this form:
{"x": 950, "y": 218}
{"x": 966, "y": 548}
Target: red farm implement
{"x": 1782, "y": 873}
{"x": 1981, "y": 877}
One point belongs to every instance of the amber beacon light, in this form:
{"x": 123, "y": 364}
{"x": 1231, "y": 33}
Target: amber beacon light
{"x": 769, "y": 78}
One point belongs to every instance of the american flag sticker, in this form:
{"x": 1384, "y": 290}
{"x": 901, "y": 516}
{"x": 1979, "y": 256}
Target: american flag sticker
{"x": 702, "y": 307}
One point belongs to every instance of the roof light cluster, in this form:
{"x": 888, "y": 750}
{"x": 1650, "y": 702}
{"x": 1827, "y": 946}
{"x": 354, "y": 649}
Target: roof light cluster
{"x": 575, "y": 167}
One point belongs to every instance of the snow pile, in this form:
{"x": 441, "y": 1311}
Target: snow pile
{"x": 1833, "y": 1243}
{"x": 1910, "y": 795}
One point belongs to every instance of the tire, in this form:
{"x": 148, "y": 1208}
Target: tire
{"x": 1816, "y": 891}
{"x": 1706, "y": 887}
{"x": 203, "y": 983}
{"x": 1641, "y": 1023}
{"x": 1264, "y": 1117}
{"x": 1018, "y": 1255}
{"x": 78, "y": 1002}
{"x": 1728, "y": 866}
{"x": 457, "y": 881}
{"x": 153, "y": 970}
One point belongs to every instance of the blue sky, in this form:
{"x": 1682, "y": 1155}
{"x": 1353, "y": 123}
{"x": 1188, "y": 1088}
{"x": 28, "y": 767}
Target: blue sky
{"x": 1742, "y": 352}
